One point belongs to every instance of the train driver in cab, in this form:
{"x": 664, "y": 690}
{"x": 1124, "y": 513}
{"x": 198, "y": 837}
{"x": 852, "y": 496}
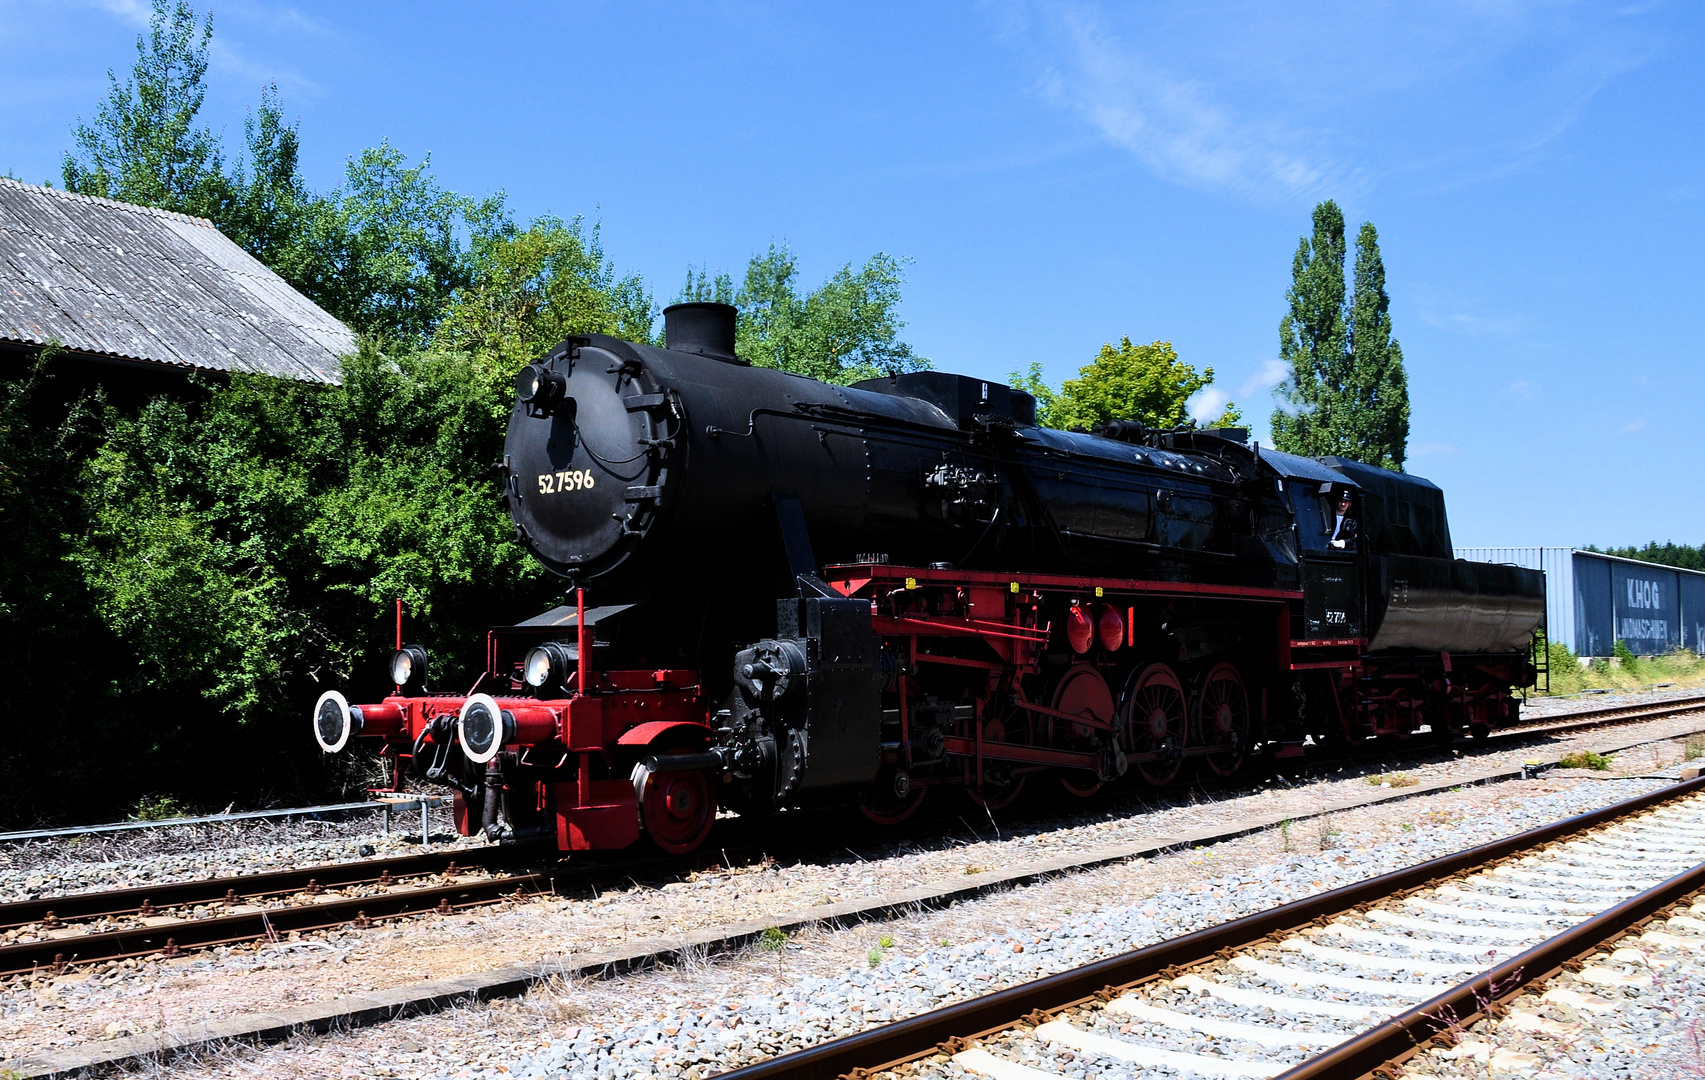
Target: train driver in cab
{"x": 1344, "y": 524}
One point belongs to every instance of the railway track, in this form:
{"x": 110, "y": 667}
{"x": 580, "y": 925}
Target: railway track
{"x": 1586, "y": 719}
{"x": 1337, "y": 985}
{"x": 85, "y": 928}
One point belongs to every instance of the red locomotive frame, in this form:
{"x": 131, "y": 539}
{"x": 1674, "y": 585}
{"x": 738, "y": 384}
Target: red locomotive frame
{"x": 627, "y": 752}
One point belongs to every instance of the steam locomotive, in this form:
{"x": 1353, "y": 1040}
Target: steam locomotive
{"x": 784, "y": 592}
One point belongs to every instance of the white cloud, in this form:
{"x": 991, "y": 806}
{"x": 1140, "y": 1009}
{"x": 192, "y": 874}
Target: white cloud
{"x": 1466, "y": 315}
{"x": 1633, "y": 426}
{"x": 1273, "y": 372}
{"x": 134, "y": 12}
{"x": 1280, "y": 103}
{"x": 226, "y": 54}
{"x": 1174, "y": 125}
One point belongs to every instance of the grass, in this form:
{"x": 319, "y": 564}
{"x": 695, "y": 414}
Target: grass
{"x": 1329, "y": 834}
{"x": 1391, "y": 779}
{"x": 1695, "y": 748}
{"x": 1585, "y": 759}
{"x": 1683, "y": 668}
{"x": 883, "y": 943}
{"x": 774, "y": 939}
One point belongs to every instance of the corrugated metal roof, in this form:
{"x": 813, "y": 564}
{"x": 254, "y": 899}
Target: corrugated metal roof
{"x": 110, "y": 278}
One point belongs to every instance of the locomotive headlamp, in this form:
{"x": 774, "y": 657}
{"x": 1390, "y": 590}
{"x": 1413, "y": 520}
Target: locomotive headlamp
{"x": 538, "y": 387}
{"x": 408, "y": 667}
{"x": 547, "y": 664}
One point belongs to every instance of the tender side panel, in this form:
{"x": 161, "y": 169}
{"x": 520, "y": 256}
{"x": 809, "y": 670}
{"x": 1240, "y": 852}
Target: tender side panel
{"x": 1439, "y": 605}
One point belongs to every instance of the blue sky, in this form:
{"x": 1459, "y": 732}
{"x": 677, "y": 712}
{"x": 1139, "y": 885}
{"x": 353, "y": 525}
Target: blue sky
{"x": 1063, "y": 174}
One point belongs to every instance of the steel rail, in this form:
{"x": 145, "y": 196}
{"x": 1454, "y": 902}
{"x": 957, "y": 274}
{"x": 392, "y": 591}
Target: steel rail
{"x": 262, "y": 923}
{"x": 1403, "y": 1035}
{"x": 1591, "y": 718}
{"x": 952, "y": 1027}
{"x": 244, "y": 887}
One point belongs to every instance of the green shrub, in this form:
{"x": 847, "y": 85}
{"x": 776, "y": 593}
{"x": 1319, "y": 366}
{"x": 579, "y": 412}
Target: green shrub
{"x": 1564, "y": 669}
{"x": 160, "y": 808}
{"x": 1585, "y": 759}
{"x": 1625, "y": 657}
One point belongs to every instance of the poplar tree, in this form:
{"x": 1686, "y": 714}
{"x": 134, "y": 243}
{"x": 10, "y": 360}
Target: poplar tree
{"x": 1347, "y": 393}
{"x": 1376, "y": 399}
{"x": 1313, "y": 340}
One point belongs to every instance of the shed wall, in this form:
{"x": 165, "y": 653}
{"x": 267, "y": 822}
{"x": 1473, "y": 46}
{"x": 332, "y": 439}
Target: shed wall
{"x": 1647, "y": 601}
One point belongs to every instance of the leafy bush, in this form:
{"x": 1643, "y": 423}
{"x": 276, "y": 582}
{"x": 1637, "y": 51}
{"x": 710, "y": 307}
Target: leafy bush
{"x": 1625, "y": 657}
{"x": 160, "y": 808}
{"x": 1585, "y": 759}
{"x": 1569, "y": 676}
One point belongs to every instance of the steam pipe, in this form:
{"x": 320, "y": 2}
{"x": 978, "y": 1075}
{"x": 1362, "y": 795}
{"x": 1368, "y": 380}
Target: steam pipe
{"x": 493, "y": 795}
{"x": 583, "y": 639}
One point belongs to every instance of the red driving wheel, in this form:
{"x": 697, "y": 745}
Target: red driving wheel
{"x": 1082, "y": 691}
{"x": 1155, "y": 722}
{"x": 998, "y": 794}
{"x": 1222, "y": 718}
{"x": 678, "y": 810}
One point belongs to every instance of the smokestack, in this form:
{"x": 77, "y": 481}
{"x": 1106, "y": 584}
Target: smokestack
{"x": 705, "y": 329}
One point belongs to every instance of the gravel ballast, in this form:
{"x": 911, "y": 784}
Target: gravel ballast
{"x": 153, "y": 994}
{"x": 715, "y": 1015}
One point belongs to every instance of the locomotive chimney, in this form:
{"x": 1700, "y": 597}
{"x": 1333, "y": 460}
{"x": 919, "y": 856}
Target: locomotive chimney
{"x": 705, "y": 329}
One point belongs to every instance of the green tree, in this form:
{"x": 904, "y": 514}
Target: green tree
{"x": 845, "y": 330}
{"x": 144, "y": 145}
{"x": 1313, "y": 340}
{"x": 271, "y": 213}
{"x": 386, "y": 252}
{"x": 1148, "y": 383}
{"x": 1376, "y": 397}
{"x": 532, "y": 288}
{"x": 247, "y": 547}
{"x": 1668, "y": 553}
{"x": 1348, "y": 393}
{"x": 1036, "y": 385}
